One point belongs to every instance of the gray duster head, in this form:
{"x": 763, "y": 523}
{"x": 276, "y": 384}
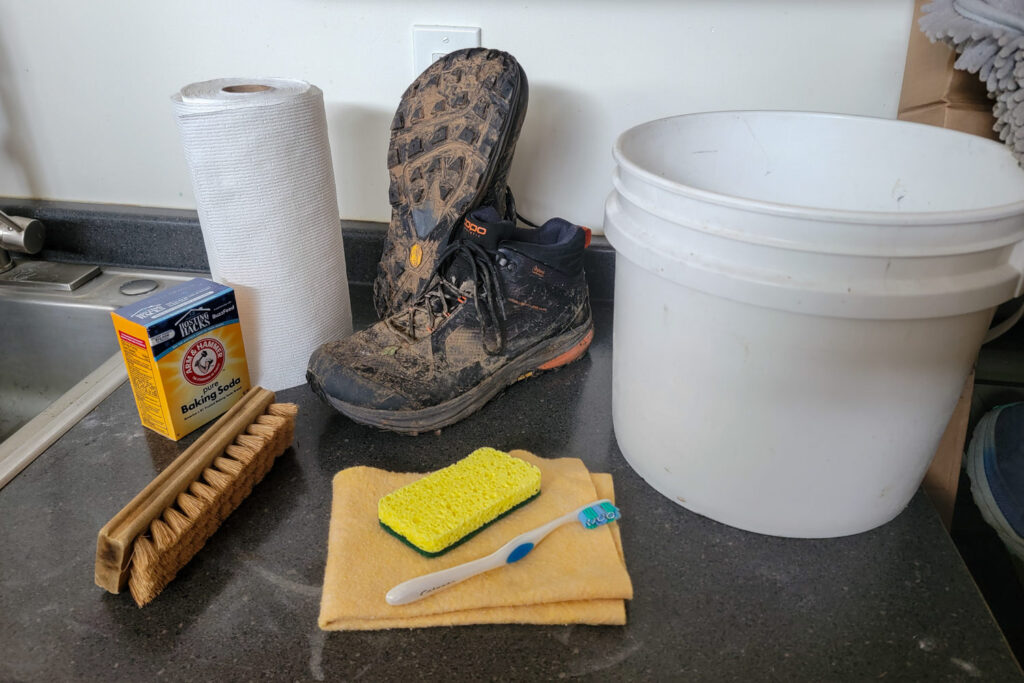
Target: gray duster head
{"x": 989, "y": 37}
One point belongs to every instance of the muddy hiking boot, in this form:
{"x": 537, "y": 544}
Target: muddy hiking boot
{"x": 452, "y": 141}
{"x": 504, "y": 303}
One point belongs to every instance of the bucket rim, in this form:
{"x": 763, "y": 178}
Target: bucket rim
{"x": 902, "y": 218}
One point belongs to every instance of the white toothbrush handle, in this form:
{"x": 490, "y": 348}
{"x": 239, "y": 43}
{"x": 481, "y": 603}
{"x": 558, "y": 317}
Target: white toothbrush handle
{"x": 422, "y": 586}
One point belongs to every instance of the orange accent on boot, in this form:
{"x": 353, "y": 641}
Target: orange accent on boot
{"x": 588, "y": 234}
{"x": 473, "y": 227}
{"x": 572, "y": 354}
{"x": 523, "y": 303}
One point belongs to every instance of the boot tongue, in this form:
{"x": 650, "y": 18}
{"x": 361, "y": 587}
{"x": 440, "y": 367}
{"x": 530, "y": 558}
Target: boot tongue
{"x": 485, "y": 227}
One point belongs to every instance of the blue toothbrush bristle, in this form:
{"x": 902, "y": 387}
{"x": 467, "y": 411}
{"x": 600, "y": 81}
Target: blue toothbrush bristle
{"x": 596, "y": 515}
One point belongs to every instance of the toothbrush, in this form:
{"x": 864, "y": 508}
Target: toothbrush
{"x": 591, "y": 516}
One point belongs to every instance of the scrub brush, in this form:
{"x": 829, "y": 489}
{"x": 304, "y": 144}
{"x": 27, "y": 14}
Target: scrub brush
{"x": 443, "y": 509}
{"x": 591, "y": 516}
{"x": 158, "y": 532}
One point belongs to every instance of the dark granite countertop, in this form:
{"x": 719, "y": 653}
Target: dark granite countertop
{"x": 711, "y": 603}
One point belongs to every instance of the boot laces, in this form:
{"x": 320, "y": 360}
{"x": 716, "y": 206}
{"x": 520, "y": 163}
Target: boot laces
{"x": 512, "y": 213}
{"x": 443, "y": 294}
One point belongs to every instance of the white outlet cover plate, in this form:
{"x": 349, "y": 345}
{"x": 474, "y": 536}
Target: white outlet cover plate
{"x": 430, "y": 43}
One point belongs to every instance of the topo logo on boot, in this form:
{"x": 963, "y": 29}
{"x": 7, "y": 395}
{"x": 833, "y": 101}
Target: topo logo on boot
{"x": 203, "y": 361}
{"x": 473, "y": 227}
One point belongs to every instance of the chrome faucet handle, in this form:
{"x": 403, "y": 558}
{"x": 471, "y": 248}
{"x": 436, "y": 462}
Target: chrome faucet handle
{"x": 24, "y": 235}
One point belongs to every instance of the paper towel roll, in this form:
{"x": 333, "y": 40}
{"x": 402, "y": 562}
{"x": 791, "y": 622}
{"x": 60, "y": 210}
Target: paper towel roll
{"x": 260, "y": 162}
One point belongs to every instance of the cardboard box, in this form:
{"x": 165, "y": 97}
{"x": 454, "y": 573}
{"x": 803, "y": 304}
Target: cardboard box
{"x": 974, "y": 119}
{"x": 943, "y": 476}
{"x": 185, "y": 356}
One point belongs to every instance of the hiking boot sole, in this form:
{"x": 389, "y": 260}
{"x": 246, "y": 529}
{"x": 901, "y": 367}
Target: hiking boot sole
{"x": 550, "y": 354}
{"x": 452, "y": 140}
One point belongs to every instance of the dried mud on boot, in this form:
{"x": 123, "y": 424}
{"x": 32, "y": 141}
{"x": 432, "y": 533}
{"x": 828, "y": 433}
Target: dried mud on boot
{"x": 548, "y": 356}
{"x": 507, "y": 303}
{"x": 452, "y": 141}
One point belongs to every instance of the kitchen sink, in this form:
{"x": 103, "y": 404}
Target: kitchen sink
{"x": 59, "y": 357}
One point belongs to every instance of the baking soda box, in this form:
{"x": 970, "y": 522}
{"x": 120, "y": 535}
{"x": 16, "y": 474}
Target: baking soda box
{"x": 184, "y": 353}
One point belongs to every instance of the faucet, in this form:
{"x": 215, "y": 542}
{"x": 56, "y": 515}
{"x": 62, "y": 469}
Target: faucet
{"x": 24, "y": 235}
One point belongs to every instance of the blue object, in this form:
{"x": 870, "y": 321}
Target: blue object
{"x": 519, "y": 553}
{"x": 175, "y": 315}
{"x": 995, "y": 464}
{"x": 600, "y": 513}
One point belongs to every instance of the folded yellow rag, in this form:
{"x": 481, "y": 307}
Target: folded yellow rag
{"x": 576, "y": 576}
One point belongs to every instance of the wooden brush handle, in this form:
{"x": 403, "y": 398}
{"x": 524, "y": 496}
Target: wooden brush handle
{"x": 113, "y": 546}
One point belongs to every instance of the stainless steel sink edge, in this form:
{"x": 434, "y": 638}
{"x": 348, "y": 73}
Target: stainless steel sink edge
{"x": 29, "y": 442}
{"x": 94, "y": 300}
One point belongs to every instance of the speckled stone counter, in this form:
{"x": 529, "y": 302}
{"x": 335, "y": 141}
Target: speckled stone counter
{"x": 712, "y": 602}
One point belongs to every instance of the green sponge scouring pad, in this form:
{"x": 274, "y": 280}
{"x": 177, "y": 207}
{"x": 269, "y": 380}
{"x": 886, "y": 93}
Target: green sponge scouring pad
{"x": 444, "y": 508}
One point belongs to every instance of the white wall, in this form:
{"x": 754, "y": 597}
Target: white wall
{"x": 84, "y": 86}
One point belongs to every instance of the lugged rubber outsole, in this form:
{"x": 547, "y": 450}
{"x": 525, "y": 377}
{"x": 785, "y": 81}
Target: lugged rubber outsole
{"x": 549, "y": 354}
{"x": 452, "y": 138}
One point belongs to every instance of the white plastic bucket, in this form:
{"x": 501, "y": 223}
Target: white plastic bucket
{"x": 798, "y": 300}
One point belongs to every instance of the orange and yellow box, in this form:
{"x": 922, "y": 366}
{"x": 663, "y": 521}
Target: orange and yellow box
{"x": 185, "y": 356}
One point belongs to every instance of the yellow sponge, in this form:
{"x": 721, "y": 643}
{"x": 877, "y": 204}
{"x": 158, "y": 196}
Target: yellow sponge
{"x": 439, "y": 511}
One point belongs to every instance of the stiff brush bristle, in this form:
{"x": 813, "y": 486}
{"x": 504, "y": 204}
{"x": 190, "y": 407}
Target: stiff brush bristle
{"x": 182, "y": 529}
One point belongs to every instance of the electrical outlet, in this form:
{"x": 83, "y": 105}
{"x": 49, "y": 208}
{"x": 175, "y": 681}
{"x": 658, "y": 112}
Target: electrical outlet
{"x": 430, "y": 43}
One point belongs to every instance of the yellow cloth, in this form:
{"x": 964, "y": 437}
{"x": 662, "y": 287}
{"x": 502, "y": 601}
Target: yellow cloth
{"x": 575, "y": 576}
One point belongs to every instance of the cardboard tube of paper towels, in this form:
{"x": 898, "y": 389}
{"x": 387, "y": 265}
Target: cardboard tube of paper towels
{"x": 260, "y": 162}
